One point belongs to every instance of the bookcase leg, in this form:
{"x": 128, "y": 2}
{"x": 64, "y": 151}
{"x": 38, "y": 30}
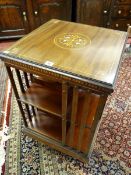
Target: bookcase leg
{"x": 95, "y": 124}
{"x": 84, "y": 118}
{"x": 16, "y": 93}
{"x": 64, "y": 111}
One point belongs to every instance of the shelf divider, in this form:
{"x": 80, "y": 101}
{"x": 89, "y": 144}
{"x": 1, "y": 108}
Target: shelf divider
{"x": 83, "y": 119}
{"x": 73, "y": 113}
{"x": 64, "y": 110}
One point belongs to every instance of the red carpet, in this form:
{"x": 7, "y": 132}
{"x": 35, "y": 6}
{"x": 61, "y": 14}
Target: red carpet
{"x": 5, "y": 97}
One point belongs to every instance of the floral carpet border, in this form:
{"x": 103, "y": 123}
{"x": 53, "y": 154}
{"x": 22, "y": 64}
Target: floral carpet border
{"x": 13, "y": 143}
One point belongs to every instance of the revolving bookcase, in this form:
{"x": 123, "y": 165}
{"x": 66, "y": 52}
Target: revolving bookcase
{"x": 62, "y": 74}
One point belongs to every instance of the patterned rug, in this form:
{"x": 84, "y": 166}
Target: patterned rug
{"x": 3, "y": 83}
{"x": 4, "y": 99}
{"x": 112, "y": 150}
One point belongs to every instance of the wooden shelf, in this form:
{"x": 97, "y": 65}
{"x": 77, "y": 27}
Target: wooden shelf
{"x": 47, "y": 125}
{"x": 47, "y": 82}
{"x": 44, "y": 98}
{"x": 51, "y": 127}
{"x": 48, "y": 97}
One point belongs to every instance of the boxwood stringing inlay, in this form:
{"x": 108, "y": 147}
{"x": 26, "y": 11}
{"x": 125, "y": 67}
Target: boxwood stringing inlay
{"x": 71, "y": 40}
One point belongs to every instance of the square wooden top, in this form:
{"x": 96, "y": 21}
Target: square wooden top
{"x": 81, "y": 50}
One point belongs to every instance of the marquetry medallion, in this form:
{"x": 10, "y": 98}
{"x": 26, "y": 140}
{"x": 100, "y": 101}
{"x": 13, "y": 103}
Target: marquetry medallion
{"x": 71, "y": 40}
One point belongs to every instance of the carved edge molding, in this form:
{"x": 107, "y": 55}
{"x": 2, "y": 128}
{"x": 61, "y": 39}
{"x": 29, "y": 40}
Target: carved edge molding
{"x": 34, "y": 67}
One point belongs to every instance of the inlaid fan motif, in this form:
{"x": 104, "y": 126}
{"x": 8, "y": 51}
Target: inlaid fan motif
{"x": 72, "y": 40}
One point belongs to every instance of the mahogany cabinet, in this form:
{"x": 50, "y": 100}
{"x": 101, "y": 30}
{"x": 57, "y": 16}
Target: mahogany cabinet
{"x": 19, "y": 17}
{"x": 13, "y": 19}
{"x": 121, "y": 15}
{"x": 115, "y": 14}
{"x": 90, "y": 12}
{"x": 44, "y": 10}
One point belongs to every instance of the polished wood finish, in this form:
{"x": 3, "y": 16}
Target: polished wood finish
{"x": 13, "y": 19}
{"x": 73, "y": 114}
{"x": 97, "y": 116}
{"x": 120, "y": 2}
{"x": 46, "y": 99}
{"x": 121, "y": 15}
{"x": 19, "y": 17}
{"x": 65, "y": 71}
{"x": 90, "y": 12}
{"x": 44, "y": 10}
{"x": 83, "y": 119}
{"x": 50, "y": 126}
{"x": 64, "y": 110}
{"x": 89, "y": 61}
{"x": 115, "y": 14}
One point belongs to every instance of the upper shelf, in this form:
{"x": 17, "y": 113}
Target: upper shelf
{"x": 44, "y": 98}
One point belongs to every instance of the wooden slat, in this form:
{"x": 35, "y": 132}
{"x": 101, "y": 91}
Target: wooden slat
{"x": 20, "y": 80}
{"x": 28, "y": 112}
{"x": 23, "y": 90}
{"x": 33, "y": 110}
{"x": 83, "y": 119}
{"x": 96, "y": 120}
{"x": 64, "y": 111}
{"x": 73, "y": 113}
{"x": 30, "y": 81}
{"x": 26, "y": 79}
{"x": 31, "y": 77}
{"x": 16, "y": 93}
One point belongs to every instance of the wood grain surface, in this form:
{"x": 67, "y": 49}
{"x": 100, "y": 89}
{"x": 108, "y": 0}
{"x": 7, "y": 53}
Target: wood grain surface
{"x": 98, "y": 59}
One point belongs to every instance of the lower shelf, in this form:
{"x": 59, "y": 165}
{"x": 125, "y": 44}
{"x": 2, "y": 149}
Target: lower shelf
{"x": 47, "y": 125}
{"x": 56, "y": 145}
{"x": 51, "y": 127}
